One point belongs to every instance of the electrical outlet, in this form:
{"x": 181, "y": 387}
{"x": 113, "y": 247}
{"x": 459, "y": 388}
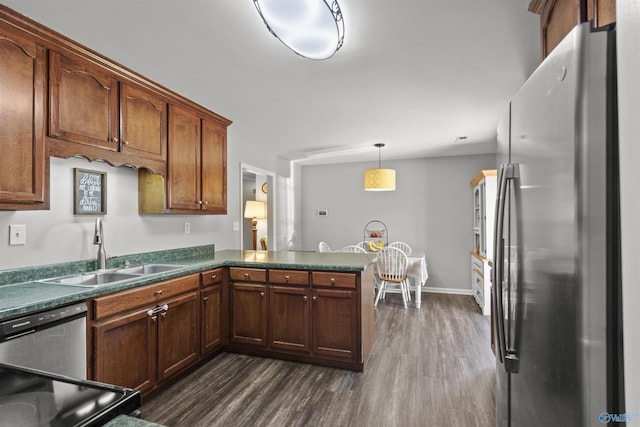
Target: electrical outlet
{"x": 17, "y": 234}
{"x": 236, "y": 226}
{"x": 187, "y": 228}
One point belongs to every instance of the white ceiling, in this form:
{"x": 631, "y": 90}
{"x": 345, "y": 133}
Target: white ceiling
{"x": 413, "y": 74}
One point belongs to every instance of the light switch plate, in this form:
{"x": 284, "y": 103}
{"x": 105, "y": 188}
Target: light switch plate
{"x": 17, "y": 234}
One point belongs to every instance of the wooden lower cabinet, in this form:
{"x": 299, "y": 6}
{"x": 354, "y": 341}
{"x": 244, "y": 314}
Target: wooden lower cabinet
{"x": 289, "y": 319}
{"x": 335, "y": 323}
{"x": 212, "y": 322}
{"x": 249, "y": 313}
{"x": 178, "y": 335}
{"x": 139, "y": 343}
{"x": 124, "y": 351}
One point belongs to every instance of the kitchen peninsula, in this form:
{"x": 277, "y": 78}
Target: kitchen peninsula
{"x": 301, "y": 306}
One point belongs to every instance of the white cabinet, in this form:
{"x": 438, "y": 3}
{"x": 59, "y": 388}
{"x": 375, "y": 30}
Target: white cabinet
{"x": 484, "y": 196}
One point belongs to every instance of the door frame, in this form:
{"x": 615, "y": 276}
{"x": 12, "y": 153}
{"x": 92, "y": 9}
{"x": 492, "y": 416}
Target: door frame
{"x": 271, "y": 208}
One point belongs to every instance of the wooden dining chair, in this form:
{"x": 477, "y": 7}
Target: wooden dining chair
{"x": 324, "y": 247}
{"x": 404, "y": 247}
{"x": 391, "y": 266}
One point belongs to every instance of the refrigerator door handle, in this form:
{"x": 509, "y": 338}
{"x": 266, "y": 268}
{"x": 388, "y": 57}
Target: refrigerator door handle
{"x": 508, "y": 171}
{"x": 498, "y": 245}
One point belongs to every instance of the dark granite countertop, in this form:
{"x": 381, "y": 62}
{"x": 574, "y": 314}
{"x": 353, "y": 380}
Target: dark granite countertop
{"x": 20, "y": 293}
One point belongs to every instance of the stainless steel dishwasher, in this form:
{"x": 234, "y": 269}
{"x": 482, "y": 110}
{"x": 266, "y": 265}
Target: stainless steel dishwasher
{"x": 53, "y": 341}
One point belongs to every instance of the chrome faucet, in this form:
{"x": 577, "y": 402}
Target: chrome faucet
{"x": 98, "y": 239}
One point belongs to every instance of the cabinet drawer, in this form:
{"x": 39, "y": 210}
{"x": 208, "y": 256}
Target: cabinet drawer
{"x": 147, "y": 295}
{"x": 248, "y": 274}
{"x": 289, "y": 277}
{"x": 212, "y": 277}
{"x": 329, "y": 278}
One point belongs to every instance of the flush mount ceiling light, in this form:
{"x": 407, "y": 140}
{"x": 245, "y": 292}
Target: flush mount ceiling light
{"x": 311, "y": 28}
{"x": 379, "y": 179}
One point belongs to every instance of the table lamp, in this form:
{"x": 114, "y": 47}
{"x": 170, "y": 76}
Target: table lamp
{"x": 255, "y": 210}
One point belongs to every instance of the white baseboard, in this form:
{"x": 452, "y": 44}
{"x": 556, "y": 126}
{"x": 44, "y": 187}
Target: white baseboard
{"x": 447, "y": 291}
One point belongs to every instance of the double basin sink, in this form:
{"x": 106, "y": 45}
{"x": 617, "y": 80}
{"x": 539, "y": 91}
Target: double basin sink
{"x": 98, "y": 278}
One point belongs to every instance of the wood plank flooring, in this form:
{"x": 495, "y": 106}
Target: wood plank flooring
{"x": 428, "y": 367}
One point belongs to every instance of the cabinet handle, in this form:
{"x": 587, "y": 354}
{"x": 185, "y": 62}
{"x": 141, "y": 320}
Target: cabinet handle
{"x": 158, "y": 309}
{"x": 158, "y": 292}
{"x": 261, "y": 294}
{"x": 114, "y": 139}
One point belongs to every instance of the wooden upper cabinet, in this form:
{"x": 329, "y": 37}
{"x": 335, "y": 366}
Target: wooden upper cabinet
{"x": 214, "y": 167}
{"x": 83, "y": 103}
{"x": 196, "y": 181}
{"x": 24, "y": 173}
{"x": 558, "y": 17}
{"x": 144, "y": 123}
{"x": 183, "y": 170}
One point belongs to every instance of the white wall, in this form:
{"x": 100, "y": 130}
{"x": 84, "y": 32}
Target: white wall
{"x": 628, "y": 27}
{"x": 431, "y": 210}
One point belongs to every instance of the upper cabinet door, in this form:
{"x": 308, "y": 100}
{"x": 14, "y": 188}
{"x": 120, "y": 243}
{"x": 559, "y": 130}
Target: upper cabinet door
{"x": 23, "y": 163}
{"x": 183, "y": 163}
{"x": 144, "y": 123}
{"x": 214, "y": 167}
{"x": 83, "y": 103}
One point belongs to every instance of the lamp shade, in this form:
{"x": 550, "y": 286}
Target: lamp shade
{"x": 255, "y": 209}
{"x": 379, "y": 180}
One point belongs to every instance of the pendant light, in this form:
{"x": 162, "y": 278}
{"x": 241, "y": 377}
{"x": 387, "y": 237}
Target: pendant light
{"x": 311, "y": 28}
{"x": 379, "y": 179}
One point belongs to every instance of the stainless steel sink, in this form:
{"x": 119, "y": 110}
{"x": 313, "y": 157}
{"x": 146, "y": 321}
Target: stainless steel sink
{"x": 90, "y": 280}
{"x": 149, "y": 268}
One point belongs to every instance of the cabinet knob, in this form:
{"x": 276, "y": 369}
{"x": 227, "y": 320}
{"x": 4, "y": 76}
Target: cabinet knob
{"x": 305, "y": 298}
{"x": 246, "y": 275}
{"x": 333, "y": 281}
{"x": 214, "y": 277}
{"x": 199, "y": 202}
{"x": 206, "y": 203}
{"x": 205, "y": 299}
{"x": 163, "y": 314}
{"x": 158, "y": 292}
{"x": 126, "y": 142}
{"x": 286, "y": 279}
{"x": 153, "y": 318}
{"x": 315, "y": 298}
{"x": 114, "y": 139}
{"x": 261, "y": 294}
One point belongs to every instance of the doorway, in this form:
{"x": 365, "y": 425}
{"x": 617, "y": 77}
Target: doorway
{"x": 257, "y": 184}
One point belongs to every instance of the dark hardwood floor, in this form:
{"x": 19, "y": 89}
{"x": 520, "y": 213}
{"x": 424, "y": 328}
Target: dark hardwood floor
{"x": 428, "y": 367}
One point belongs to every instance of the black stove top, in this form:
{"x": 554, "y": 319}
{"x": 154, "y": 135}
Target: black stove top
{"x": 30, "y": 398}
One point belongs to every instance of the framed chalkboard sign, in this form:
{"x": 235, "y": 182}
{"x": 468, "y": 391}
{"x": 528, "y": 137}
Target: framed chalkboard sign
{"x": 89, "y": 192}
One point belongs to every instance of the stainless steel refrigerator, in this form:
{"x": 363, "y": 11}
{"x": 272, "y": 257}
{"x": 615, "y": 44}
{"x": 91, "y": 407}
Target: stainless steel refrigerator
{"x": 556, "y": 289}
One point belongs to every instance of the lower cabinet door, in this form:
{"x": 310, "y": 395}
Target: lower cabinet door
{"x": 125, "y": 351}
{"x": 249, "y": 314}
{"x": 335, "y": 324}
{"x": 178, "y": 335}
{"x": 289, "y": 318}
{"x": 211, "y": 298}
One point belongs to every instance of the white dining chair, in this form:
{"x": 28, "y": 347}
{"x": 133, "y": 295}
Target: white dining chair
{"x": 354, "y": 249}
{"x": 391, "y": 267}
{"x": 404, "y": 247}
{"x": 324, "y": 247}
